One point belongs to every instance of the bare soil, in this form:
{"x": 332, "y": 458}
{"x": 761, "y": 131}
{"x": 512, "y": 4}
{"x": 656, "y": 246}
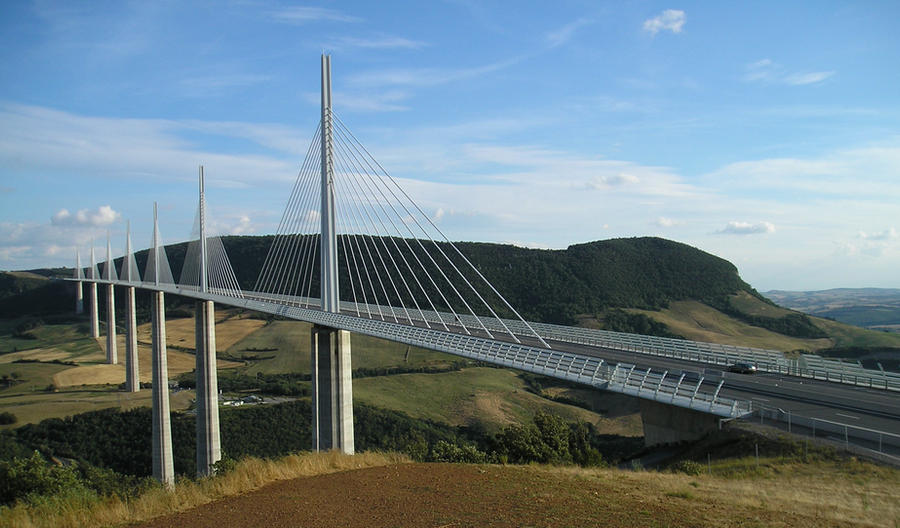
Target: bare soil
{"x": 447, "y": 495}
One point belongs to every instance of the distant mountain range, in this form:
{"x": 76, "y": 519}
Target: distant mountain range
{"x": 875, "y": 308}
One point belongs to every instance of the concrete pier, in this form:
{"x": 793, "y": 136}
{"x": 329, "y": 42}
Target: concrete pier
{"x": 163, "y": 461}
{"x": 95, "y": 312}
{"x": 332, "y": 390}
{"x": 667, "y": 424}
{"x": 112, "y": 355}
{"x": 209, "y": 449}
{"x": 79, "y": 298}
{"x": 132, "y": 379}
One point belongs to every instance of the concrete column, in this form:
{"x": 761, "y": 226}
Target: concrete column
{"x": 112, "y": 355}
{"x": 95, "y": 312}
{"x": 668, "y": 424}
{"x": 332, "y": 390}
{"x": 132, "y": 379}
{"x": 163, "y": 461}
{"x": 209, "y": 449}
{"x": 79, "y": 298}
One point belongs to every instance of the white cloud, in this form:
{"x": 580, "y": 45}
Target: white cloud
{"x": 887, "y": 234}
{"x": 768, "y": 71}
{"x": 428, "y": 76}
{"x": 799, "y": 79}
{"x": 39, "y": 138}
{"x": 304, "y": 14}
{"x": 670, "y": 19}
{"x": 381, "y": 42}
{"x": 663, "y": 221}
{"x": 565, "y": 33}
{"x": 103, "y": 216}
{"x": 746, "y": 228}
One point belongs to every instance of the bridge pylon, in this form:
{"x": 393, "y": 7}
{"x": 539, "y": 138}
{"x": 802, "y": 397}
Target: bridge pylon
{"x": 332, "y": 384}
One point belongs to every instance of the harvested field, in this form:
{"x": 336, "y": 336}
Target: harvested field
{"x": 180, "y": 332}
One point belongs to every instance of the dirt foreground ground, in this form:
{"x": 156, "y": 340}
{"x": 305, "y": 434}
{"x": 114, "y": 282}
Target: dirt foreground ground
{"x": 445, "y": 495}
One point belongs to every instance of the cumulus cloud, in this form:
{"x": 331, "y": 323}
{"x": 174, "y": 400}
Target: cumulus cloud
{"x": 747, "y": 228}
{"x": 103, "y": 216}
{"x": 669, "y": 20}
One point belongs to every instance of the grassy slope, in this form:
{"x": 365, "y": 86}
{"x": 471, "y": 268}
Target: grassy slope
{"x": 697, "y": 321}
{"x": 290, "y": 341}
{"x": 486, "y": 396}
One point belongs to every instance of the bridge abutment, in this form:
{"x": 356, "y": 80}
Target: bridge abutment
{"x": 112, "y": 355}
{"x": 163, "y": 461}
{"x": 332, "y": 390}
{"x": 209, "y": 449}
{"x": 95, "y": 312}
{"x": 132, "y": 379}
{"x": 668, "y": 424}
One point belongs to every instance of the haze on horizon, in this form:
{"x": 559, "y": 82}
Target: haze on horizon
{"x": 766, "y": 134}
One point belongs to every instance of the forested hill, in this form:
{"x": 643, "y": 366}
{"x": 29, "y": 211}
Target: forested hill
{"x": 648, "y": 272}
{"x": 555, "y": 285}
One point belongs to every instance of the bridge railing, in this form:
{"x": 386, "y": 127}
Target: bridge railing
{"x": 836, "y": 433}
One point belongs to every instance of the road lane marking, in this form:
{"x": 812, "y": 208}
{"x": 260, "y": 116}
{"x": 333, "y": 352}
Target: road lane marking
{"x": 847, "y": 416}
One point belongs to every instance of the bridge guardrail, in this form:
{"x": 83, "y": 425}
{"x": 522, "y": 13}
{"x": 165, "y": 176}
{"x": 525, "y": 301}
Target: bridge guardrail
{"x": 843, "y": 434}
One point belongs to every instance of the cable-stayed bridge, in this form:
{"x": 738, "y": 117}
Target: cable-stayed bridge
{"x": 353, "y": 253}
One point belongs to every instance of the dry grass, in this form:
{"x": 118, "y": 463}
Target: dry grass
{"x": 834, "y": 493}
{"x": 229, "y": 330}
{"x": 248, "y": 475}
{"x": 699, "y": 322}
{"x": 38, "y": 354}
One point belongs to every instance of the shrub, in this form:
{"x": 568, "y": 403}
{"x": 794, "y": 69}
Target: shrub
{"x": 7, "y": 418}
{"x": 30, "y": 478}
{"x": 688, "y": 467}
{"x": 444, "y": 451}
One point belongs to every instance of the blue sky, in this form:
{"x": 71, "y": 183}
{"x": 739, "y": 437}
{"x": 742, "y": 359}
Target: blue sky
{"x": 767, "y": 133}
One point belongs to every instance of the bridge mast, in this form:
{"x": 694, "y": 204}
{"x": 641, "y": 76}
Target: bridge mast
{"x": 332, "y": 386}
{"x": 328, "y": 239}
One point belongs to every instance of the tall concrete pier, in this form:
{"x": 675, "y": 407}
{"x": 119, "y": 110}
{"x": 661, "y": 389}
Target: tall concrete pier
{"x": 112, "y": 356}
{"x": 109, "y": 273}
{"x": 332, "y": 386}
{"x": 132, "y": 379}
{"x": 95, "y": 309}
{"x": 79, "y": 290}
{"x": 130, "y": 274}
{"x": 209, "y": 449}
{"x": 332, "y": 390}
{"x": 163, "y": 461}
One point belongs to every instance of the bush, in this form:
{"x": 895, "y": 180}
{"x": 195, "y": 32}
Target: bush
{"x": 444, "y": 451}
{"x": 29, "y": 478}
{"x": 7, "y": 418}
{"x": 688, "y": 467}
